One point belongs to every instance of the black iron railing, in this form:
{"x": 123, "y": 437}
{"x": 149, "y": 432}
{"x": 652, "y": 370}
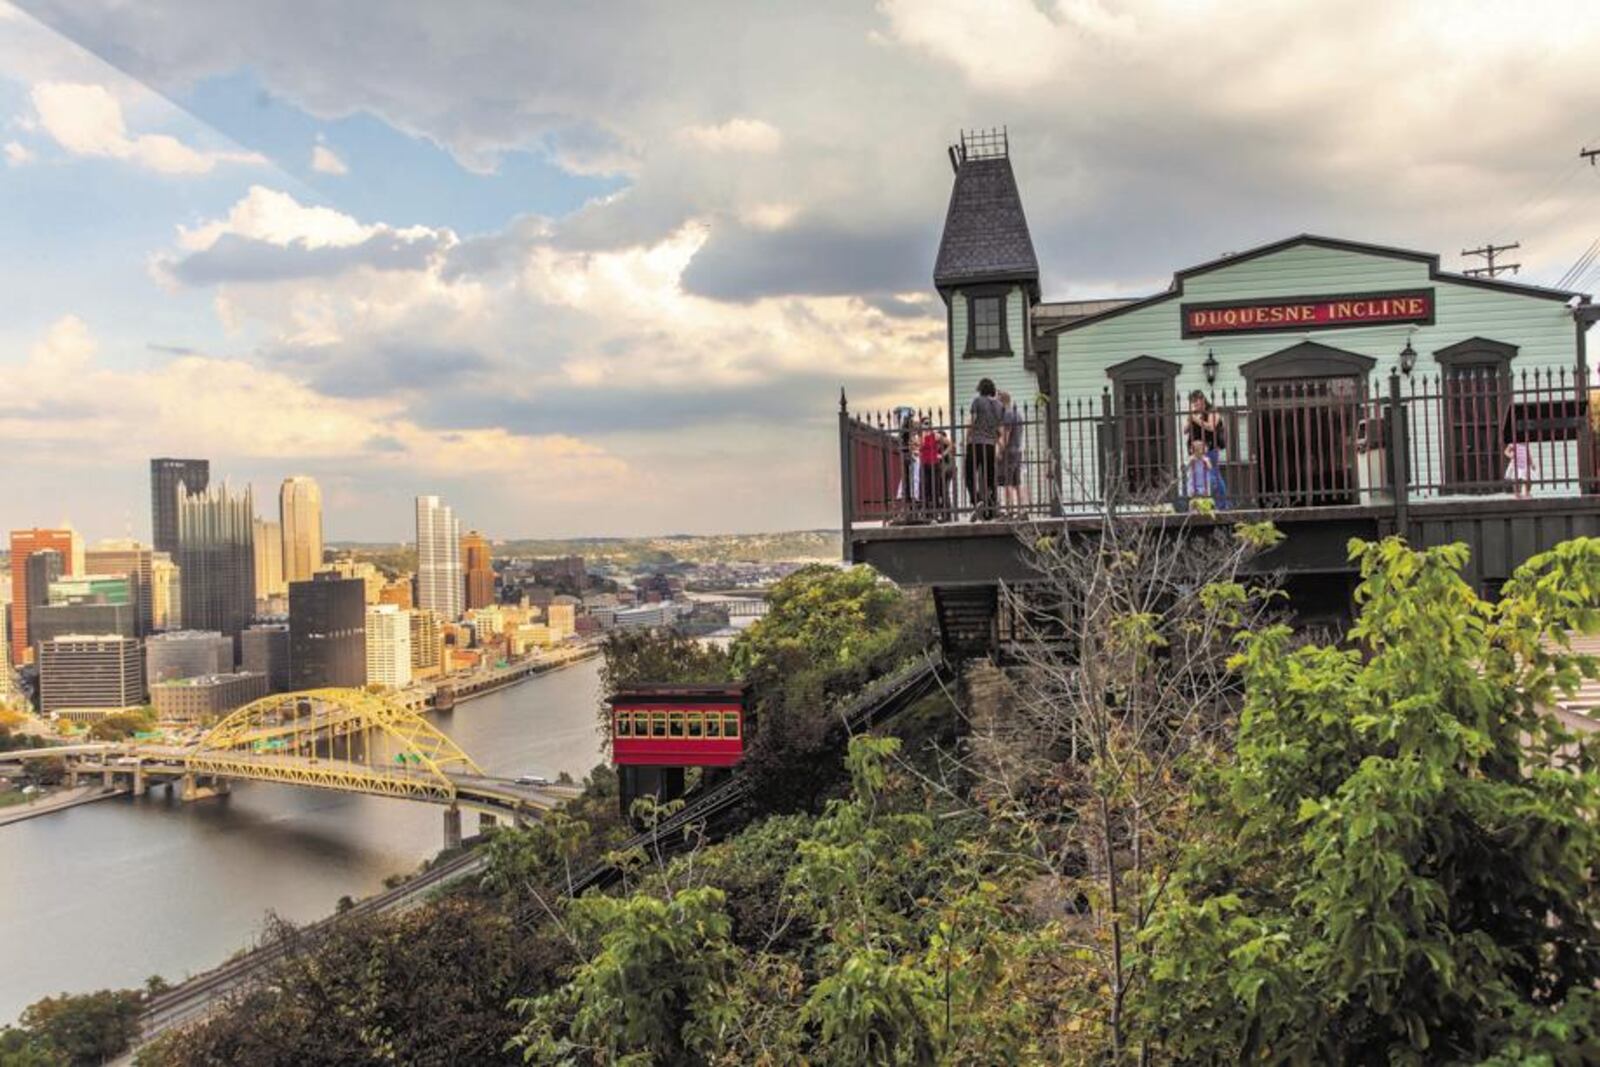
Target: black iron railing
{"x": 1303, "y": 443}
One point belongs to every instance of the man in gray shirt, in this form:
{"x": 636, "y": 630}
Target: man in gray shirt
{"x": 983, "y": 435}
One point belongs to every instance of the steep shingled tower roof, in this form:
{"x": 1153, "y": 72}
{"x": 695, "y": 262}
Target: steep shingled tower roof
{"x": 986, "y": 235}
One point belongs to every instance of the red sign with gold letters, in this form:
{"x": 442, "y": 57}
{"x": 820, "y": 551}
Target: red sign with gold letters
{"x": 1296, "y": 313}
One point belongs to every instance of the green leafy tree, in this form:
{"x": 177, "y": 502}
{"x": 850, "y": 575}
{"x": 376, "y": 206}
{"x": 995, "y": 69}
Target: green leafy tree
{"x": 1401, "y": 862}
{"x": 86, "y": 1029}
{"x": 429, "y": 987}
{"x": 637, "y": 657}
{"x": 827, "y": 634}
{"x": 653, "y": 967}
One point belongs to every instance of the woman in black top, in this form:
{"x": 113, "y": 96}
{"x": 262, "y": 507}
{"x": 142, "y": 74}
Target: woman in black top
{"x": 1206, "y": 426}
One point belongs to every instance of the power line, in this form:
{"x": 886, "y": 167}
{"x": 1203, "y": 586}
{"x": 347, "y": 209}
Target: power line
{"x": 1488, "y": 252}
{"x": 1581, "y": 264}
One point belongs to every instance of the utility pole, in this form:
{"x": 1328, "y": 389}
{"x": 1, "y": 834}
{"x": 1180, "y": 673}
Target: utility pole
{"x": 1589, "y": 154}
{"x": 1488, "y": 252}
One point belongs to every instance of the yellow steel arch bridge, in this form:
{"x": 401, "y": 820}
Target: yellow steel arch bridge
{"x": 348, "y": 740}
{"x": 345, "y": 739}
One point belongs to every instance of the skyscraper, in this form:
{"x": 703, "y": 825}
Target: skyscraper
{"x": 439, "y": 584}
{"x": 138, "y": 563}
{"x": 25, "y": 543}
{"x": 165, "y": 477}
{"x": 216, "y": 559}
{"x": 166, "y": 593}
{"x": 480, "y": 575}
{"x": 300, "y": 512}
{"x": 388, "y": 646}
{"x": 327, "y": 632}
{"x": 269, "y": 559}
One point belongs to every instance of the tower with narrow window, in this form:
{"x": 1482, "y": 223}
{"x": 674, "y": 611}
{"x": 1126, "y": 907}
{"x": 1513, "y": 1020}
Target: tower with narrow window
{"x": 987, "y": 274}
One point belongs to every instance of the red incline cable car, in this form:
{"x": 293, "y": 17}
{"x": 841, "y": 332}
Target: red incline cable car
{"x": 658, "y": 730}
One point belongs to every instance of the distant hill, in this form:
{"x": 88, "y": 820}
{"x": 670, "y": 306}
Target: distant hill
{"x": 668, "y": 548}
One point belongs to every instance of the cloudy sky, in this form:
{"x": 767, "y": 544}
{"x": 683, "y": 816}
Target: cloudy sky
{"x": 602, "y": 268}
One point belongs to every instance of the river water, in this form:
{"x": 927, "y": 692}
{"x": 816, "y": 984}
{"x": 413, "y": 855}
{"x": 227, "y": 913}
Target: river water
{"x": 105, "y": 895}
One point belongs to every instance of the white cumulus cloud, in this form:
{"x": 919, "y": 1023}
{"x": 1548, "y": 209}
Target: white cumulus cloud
{"x": 87, "y": 120}
{"x": 325, "y": 161}
{"x": 737, "y": 135}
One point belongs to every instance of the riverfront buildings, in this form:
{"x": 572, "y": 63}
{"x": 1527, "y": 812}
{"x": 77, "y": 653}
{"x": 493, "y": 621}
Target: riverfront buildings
{"x": 187, "y": 654}
{"x": 24, "y": 543}
{"x": 479, "y": 574}
{"x": 166, "y": 475}
{"x": 300, "y": 513}
{"x": 439, "y": 581}
{"x": 264, "y": 649}
{"x": 388, "y": 646}
{"x": 327, "y": 633}
{"x": 206, "y": 698}
{"x": 216, "y": 557}
{"x": 90, "y": 671}
{"x": 427, "y": 643}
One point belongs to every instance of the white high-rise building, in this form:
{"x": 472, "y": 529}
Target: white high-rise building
{"x": 388, "y": 646}
{"x": 300, "y": 515}
{"x": 439, "y": 579}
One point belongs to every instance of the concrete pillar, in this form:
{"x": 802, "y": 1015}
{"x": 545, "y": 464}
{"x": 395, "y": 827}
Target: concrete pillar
{"x": 452, "y": 827}
{"x": 186, "y": 791}
{"x": 138, "y": 780}
{"x": 486, "y": 822}
{"x": 107, "y": 779}
{"x": 72, "y": 777}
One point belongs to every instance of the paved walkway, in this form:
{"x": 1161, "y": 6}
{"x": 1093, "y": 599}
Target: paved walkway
{"x": 66, "y": 798}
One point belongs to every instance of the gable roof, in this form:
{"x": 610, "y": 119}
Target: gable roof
{"x": 986, "y": 236}
{"x": 1430, "y": 259}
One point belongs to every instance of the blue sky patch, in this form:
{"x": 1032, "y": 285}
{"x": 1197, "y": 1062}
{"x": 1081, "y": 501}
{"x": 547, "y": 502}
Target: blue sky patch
{"x": 392, "y": 176}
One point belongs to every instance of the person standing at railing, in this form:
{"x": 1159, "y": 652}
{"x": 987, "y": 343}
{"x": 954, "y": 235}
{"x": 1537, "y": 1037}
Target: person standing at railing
{"x": 983, "y": 434}
{"x": 1206, "y": 428}
{"x": 910, "y": 468}
{"x": 1520, "y": 467}
{"x": 928, "y": 459}
{"x": 1010, "y": 458}
{"x": 945, "y": 477}
{"x": 1199, "y": 476}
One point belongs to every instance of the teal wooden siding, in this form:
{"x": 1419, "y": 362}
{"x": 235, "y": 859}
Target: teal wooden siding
{"x": 1542, "y": 329}
{"x": 1008, "y": 372}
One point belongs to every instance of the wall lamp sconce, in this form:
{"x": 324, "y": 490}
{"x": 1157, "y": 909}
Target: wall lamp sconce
{"x": 1210, "y": 366}
{"x": 1408, "y": 359}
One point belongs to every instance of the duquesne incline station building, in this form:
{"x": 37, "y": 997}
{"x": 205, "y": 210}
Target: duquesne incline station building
{"x": 1361, "y": 391}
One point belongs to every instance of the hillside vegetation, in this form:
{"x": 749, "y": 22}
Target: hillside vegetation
{"x": 1385, "y": 856}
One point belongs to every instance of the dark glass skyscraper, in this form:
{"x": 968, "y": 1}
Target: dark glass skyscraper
{"x": 327, "y": 632}
{"x": 217, "y": 559}
{"x": 165, "y": 477}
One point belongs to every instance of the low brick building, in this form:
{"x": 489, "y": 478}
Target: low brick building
{"x": 206, "y": 698}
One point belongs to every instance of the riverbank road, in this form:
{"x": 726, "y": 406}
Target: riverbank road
{"x": 57, "y": 801}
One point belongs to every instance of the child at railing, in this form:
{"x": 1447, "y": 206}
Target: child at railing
{"x": 1520, "y": 467}
{"x": 1200, "y": 471}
